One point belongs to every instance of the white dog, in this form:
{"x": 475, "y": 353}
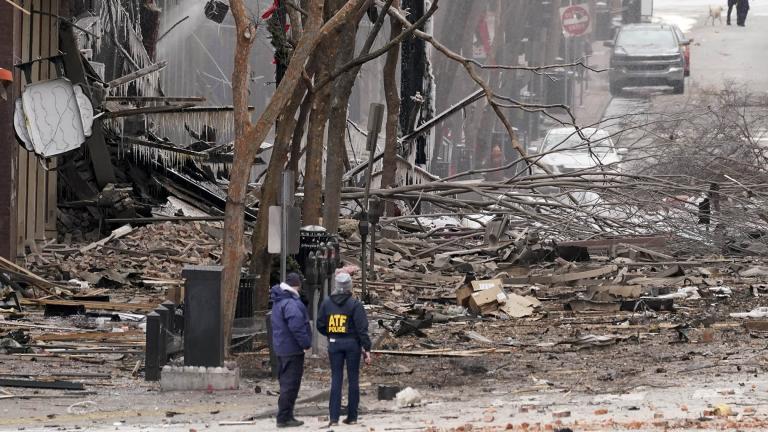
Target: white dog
{"x": 715, "y": 13}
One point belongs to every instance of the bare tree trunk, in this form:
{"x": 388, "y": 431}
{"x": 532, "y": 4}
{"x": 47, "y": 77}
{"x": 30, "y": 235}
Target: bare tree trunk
{"x": 337, "y": 126}
{"x": 249, "y": 136}
{"x": 313, "y": 157}
{"x": 298, "y": 136}
{"x": 392, "y": 96}
{"x": 261, "y": 260}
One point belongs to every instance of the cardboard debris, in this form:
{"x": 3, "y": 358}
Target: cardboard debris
{"x": 518, "y": 306}
{"x": 614, "y": 292}
{"x": 486, "y": 302}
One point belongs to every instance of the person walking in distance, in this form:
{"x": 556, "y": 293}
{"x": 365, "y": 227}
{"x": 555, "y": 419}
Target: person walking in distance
{"x": 343, "y": 320}
{"x": 742, "y": 9}
{"x": 291, "y": 337}
{"x": 731, "y": 5}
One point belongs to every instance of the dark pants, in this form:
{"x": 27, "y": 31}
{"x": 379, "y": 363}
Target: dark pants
{"x": 731, "y": 4}
{"x": 344, "y": 350}
{"x": 291, "y": 370}
{"x": 741, "y": 12}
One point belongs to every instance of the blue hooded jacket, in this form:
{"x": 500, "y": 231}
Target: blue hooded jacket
{"x": 291, "y": 333}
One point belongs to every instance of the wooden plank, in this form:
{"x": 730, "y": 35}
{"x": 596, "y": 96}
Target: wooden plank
{"x": 90, "y": 336}
{"x": 55, "y": 385}
{"x": 649, "y": 241}
{"x": 35, "y": 279}
{"x": 124, "y": 307}
{"x": 5, "y": 323}
{"x": 589, "y": 274}
{"x": 117, "y": 233}
{"x": 556, "y": 279}
{"x": 757, "y": 325}
{"x": 443, "y": 352}
{"x": 650, "y": 252}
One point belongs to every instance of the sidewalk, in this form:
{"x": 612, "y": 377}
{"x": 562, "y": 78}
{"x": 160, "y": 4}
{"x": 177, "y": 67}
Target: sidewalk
{"x": 590, "y": 106}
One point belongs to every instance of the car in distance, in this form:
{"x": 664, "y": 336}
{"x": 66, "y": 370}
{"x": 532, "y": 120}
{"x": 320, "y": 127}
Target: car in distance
{"x": 564, "y": 150}
{"x": 685, "y": 45}
{"x": 647, "y": 55}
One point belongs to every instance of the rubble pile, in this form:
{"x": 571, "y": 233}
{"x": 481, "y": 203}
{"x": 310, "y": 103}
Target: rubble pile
{"x": 150, "y": 255}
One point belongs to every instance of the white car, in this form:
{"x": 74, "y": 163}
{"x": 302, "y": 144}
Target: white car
{"x": 564, "y": 150}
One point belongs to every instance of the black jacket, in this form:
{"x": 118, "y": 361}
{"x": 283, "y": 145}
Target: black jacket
{"x": 342, "y": 316}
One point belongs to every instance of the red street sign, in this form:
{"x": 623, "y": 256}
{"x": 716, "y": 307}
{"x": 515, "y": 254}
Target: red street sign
{"x": 576, "y": 20}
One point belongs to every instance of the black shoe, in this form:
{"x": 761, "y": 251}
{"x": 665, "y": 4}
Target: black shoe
{"x": 333, "y": 423}
{"x": 290, "y": 423}
{"x": 349, "y": 422}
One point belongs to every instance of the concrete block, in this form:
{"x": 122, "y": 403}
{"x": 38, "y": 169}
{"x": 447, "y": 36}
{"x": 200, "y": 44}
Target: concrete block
{"x": 185, "y": 378}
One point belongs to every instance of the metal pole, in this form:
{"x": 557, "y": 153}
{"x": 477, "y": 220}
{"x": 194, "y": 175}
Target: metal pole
{"x": 363, "y": 266}
{"x": 373, "y": 251}
{"x": 375, "y": 119}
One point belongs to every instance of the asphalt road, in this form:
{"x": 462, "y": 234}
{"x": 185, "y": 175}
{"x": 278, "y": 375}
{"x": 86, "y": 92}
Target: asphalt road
{"x": 721, "y": 54}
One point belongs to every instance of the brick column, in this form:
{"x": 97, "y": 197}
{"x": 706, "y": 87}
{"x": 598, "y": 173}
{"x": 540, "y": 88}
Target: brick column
{"x": 8, "y": 145}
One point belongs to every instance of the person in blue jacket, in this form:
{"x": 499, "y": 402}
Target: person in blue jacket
{"x": 291, "y": 337}
{"x": 343, "y": 320}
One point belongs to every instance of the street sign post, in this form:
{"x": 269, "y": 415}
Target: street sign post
{"x": 576, "y": 20}
{"x": 284, "y": 222}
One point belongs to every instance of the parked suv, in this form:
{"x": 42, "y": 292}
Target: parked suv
{"x": 647, "y": 55}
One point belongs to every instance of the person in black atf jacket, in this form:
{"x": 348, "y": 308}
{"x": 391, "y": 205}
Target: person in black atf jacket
{"x": 343, "y": 319}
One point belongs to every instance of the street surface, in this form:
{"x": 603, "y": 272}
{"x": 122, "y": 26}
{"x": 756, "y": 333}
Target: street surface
{"x": 721, "y": 57}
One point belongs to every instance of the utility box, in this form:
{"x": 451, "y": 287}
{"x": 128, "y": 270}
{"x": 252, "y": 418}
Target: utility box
{"x": 203, "y": 326}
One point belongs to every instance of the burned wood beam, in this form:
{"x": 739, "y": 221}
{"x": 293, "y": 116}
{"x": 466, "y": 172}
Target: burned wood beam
{"x": 133, "y": 76}
{"x": 97, "y": 147}
{"x": 149, "y": 220}
{"x": 166, "y": 147}
{"x": 55, "y": 385}
{"x": 143, "y": 99}
{"x": 125, "y": 307}
{"x": 472, "y": 98}
{"x": 149, "y": 110}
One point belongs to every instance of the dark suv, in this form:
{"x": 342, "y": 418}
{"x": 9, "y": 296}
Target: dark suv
{"x": 647, "y": 55}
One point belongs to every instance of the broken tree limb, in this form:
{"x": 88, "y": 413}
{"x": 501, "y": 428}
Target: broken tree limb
{"x": 172, "y": 27}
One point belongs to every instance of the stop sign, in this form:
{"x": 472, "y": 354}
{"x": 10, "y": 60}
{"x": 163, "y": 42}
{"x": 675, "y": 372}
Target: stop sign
{"x": 576, "y": 20}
